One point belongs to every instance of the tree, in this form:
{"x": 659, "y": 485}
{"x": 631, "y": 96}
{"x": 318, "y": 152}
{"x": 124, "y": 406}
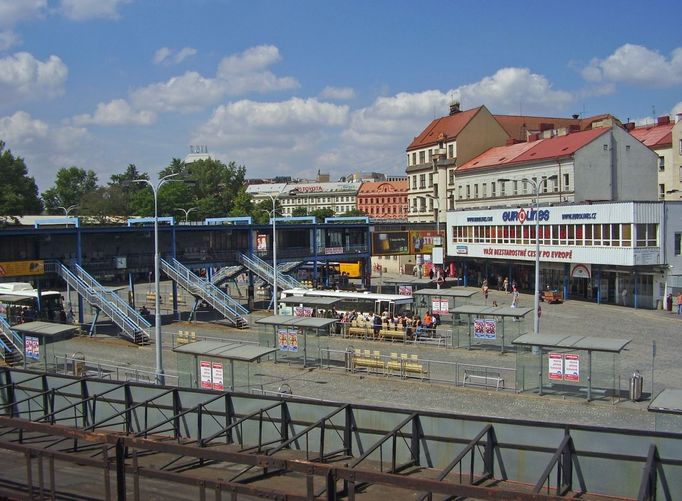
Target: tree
{"x": 321, "y": 214}
{"x": 354, "y": 213}
{"x": 69, "y": 188}
{"x": 299, "y": 211}
{"x": 216, "y": 186}
{"x": 19, "y": 194}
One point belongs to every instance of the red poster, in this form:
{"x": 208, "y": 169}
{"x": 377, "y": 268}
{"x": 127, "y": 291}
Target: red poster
{"x": 205, "y": 374}
{"x": 556, "y": 366}
{"x": 571, "y": 368}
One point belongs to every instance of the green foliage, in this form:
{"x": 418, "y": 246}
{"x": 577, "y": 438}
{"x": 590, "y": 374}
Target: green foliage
{"x": 354, "y": 213}
{"x": 19, "y": 194}
{"x": 320, "y": 214}
{"x": 299, "y": 211}
{"x": 69, "y": 188}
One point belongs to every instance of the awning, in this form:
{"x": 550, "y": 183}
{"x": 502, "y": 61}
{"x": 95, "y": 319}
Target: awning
{"x": 291, "y": 321}
{"x": 458, "y": 292}
{"x": 310, "y": 301}
{"x": 227, "y": 351}
{"x": 500, "y": 311}
{"x": 572, "y": 342}
{"x": 47, "y": 329}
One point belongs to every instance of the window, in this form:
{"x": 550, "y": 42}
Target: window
{"x": 646, "y": 235}
{"x": 661, "y": 164}
{"x": 422, "y": 181}
{"x": 414, "y": 182}
{"x": 544, "y": 184}
{"x": 661, "y": 191}
{"x": 606, "y": 147}
{"x": 515, "y": 185}
{"x": 422, "y": 157}
{"x": 485, "y": 190}
{"x": 492, "y": 189}
{"x": 678, "y": 240}
{"x": 680, "y": 147}
{"x": 451, "y": 176}
{"x": 502, "y": 188}
{"x": 414, "y": 158}
{"x": 459, "y": 192}
{"x": 468, "y": 191}
{"x": 430, "y": 180}
{"x": 451, "y": 150}
{"x": 567, "y": 182}
{"x": 475, "y": 191}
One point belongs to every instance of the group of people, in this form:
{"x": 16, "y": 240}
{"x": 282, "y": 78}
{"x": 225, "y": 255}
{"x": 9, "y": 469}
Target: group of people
{"x": 17, "y": 314}
{"x": 413, "y": 325}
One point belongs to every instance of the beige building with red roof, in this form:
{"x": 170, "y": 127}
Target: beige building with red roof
{"x": 659, "y": 137}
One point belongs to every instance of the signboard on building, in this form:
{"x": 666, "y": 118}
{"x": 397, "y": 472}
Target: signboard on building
{"x": 261, "y": 242}
{"x": 422, "y": 242}
{"x": 579, "y": 270}
{"x": 21, "y": 268}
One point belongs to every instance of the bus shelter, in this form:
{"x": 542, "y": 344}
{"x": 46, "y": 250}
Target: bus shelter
{"x": 221, "y": 365}
{"x": 569, "y": 364}
{"x": 309, "y": 306}
{"x": 667, "y": 409}
{"x": 296, "y": 339}
{"x": 488, "y": 326}
{"x": 38, "y": 340}
{"x": 442, "y": 302}
{"x": 404, "y": 285}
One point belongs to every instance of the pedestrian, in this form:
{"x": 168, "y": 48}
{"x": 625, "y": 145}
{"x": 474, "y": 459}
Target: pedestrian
{"x": 69, "y": 316}
{"x": 679, "y": 303}
{"x": 505, "y": 284}
{"x": 624, "y": 295}
{"x": 515, "y": 301}
{"x": 484, "y": 289}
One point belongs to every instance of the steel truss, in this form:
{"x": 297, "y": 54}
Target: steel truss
{"x": 142, "y": 437}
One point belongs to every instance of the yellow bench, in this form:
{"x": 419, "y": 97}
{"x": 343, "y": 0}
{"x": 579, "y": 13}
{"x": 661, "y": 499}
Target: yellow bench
{"x": 186, "y": 337}
{"x": 366, "y": 360}
{"x": 405, "y": 365}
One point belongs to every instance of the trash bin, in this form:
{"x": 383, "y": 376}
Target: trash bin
{"x": 669, "y": 302}
{"x": 636, "y": 382}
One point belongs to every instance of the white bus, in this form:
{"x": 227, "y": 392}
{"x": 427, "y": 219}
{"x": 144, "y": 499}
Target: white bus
{"x": 19, "y": 299}
{"x": 361, "y": 302}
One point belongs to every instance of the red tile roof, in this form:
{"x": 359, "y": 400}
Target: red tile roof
{"x": 654, "y": 135}
{"x": 542, "y": 149}
{"x": 443, "y": 128}
{"x": 394, "y": 187}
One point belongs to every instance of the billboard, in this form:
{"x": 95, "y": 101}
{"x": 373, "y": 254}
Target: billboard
{"x": 21, "y": 268}
{"x": 422, "y": 242}
{"x": 390, "y": 243}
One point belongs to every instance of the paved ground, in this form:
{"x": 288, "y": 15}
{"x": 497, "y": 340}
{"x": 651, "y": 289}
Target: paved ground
{"x": 573, "y": 317}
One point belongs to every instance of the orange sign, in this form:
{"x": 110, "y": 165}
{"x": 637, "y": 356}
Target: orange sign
{"x": 21, "y": 268}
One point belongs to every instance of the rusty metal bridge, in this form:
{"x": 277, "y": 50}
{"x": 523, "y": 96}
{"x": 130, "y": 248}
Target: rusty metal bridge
{"x": 80, "y": 438}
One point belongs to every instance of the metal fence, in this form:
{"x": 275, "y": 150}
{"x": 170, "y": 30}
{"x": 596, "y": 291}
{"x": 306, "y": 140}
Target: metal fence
{"x": 74, "y": 365}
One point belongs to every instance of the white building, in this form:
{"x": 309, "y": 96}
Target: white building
{"x": 339, "y": 197}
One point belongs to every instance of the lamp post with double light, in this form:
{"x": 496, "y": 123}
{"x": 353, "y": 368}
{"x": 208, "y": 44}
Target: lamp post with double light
{"x": 273, "y": 217}
{"x": 186, "y": 212}
{"x": 68, "y": 209}
{"x": 160, "y": 376}
{"x": 438, "y": 237}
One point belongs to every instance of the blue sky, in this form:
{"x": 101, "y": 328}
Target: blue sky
{"x": 293, "y": 87}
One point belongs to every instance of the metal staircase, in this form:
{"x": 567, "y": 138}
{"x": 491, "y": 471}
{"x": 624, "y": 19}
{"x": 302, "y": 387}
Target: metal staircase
{"x": 133, "y": 315}
{"x": 10, "y": 344}
{"x": 266, "y": 272}
{"x": 228, "y": 307}
{"x": 129, "y": 328}
{"x": 226, "y": 273}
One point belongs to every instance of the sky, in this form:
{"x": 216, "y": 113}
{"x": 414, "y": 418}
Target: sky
{"x": 291, "y": 88}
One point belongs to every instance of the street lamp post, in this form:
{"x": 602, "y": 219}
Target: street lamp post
{"x": 160, "y": 376}
{"x": 437, "y": 201}
{"x": 68, "y": 209}
{"x": 187, "y": 211}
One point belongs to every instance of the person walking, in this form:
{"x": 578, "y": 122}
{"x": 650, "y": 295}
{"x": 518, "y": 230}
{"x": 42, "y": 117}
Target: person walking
{"x": 624, "y": 295}
{"x": 506, "y": 285}
{"x": 679, "y": 303}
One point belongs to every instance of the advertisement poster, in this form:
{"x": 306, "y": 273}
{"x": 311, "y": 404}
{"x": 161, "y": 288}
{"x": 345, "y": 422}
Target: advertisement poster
{"x": 20, "y": 268}
{"x": 32, "y": 347}
{"x": 556, "y": 366}
{"x": 293, "y": 340}
{"x": 390, "y": 243}
{"x": 571, "y": 368}
{"x": 261, "y": 242}
{"x": 422, "y": 242}
{"x": 439, "y": 306}
{"x": 405, "y": 290}
{"x": 217, "y": 374}
{"x": 205, "y": 374}
{"x": 303, "y": 311}
{"x": 283, "y": 339}
{"x": 485, "y": 329}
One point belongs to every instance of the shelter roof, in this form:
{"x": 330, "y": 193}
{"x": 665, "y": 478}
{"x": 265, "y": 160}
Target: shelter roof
{"x": 47, "y": 329}
{"x": 291, "y": 321}
{"x": 455, "y": 292}
{"x": 228, "y": 351}
{"x": 482, "y": 310}
{"x": 575, "y": 342}
{"x": 668, "y": 401}
{"x": 310, "y": 300}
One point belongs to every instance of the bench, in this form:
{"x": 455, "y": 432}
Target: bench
{"x": 367, "y": 360}
{"x": 485, "y": 378}
{"x": 405, "y": 366}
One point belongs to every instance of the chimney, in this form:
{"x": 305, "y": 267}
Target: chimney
{"x": 454, "y": 108}
{"x": 575, "y": 116}
{"x": 630, "y": 126}
{"x": 664, "y": 120}
{"x": 533, "y": 137}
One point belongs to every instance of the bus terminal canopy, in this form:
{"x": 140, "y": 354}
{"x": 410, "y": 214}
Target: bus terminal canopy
{"x": 558, "y": 341}
{"x": 318, "y": 302}
{"x": 45, "y": 329}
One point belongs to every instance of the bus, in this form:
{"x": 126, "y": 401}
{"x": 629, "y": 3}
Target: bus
{"x": 19, "y": 303}
{"x": 361, "y": 302}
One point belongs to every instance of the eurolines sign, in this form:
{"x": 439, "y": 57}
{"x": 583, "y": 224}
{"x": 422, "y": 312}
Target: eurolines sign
{"x": 573, "y": 214}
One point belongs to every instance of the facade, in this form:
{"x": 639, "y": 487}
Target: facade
{"x": 339, "y": 197}
{"x": 589, "y": 251}
{"x": 676, "y": 165}
{"x": 383, "y": 200}
{"x": 433, "y": 155}
{"x": 658, "y": 137}
{"x": 602, "y": 164}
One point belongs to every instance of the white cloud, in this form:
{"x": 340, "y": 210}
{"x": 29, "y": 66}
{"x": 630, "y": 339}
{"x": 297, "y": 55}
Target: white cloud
{"x": 161, "y": 55}
{"x": 637, "y": 65}
{"x": 8, "y": 39}
{"x": 165, "y": 55}
{"x": 337, "y": 93}
{"x": 677, "y": 109}
{"x": 116, "y": 112}
{"x": 23, "y": 77}
{"x": 21, "y": 129}
{"x": 237, "y": 74}
{"x": 12, "y": 11}
{"x": 82, "y": 10}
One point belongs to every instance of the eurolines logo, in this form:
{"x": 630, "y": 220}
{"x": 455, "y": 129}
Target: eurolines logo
{"x": 523, "y": 215}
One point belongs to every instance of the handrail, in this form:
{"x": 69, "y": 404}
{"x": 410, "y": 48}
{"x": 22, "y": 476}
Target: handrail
{"x": 12, "y": 337}
{"x": 138, "y": 319}
{"x": 266, "y": 272}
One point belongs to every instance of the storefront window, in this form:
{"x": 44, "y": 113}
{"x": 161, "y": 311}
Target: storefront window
{"x": 627, "y": 235}
{"x": 615, "y": 235}
{"x": 555, "y": 234}
{"x": 588, "y": 234}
